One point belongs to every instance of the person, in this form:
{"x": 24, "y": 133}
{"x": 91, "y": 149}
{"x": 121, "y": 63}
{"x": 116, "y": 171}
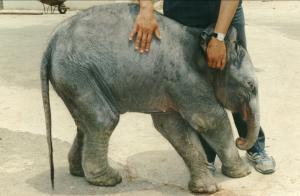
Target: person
{"x": 201, "y": 14}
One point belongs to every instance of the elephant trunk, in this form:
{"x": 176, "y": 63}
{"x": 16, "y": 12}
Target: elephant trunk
{"x": 251, "y": 115}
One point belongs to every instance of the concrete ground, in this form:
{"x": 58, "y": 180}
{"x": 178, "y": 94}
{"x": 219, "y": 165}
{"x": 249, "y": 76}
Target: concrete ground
{"x": 149, "y": 165}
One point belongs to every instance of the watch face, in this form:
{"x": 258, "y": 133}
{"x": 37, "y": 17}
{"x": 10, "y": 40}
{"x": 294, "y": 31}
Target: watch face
{"x": 214, "y": 35}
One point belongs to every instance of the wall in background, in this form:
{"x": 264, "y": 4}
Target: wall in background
{"x": 36, "y": 5}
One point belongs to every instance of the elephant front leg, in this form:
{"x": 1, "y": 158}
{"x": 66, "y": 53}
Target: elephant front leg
{"x": 220, "y": 138}
{"x": 186, "y": 142}
{"x": 75, "y": 155}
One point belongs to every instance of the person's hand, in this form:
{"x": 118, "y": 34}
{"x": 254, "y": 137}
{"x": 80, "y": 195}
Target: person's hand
{"x": 144, "y": 27}
{"x": 216, "y": 54}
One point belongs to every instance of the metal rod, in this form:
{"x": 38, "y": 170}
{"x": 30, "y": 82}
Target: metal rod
{"x": 1, "y": 5}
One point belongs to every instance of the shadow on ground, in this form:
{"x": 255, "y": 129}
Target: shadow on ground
{"x": 69, "y": 185}
{"x": 24, "y": 161}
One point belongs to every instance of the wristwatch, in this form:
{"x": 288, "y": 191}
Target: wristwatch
{"x": 218, "y": 36}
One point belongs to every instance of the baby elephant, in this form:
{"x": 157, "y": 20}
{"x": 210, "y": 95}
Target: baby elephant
{"x": 94, "y": 69}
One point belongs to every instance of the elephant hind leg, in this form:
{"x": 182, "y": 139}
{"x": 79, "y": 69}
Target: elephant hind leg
{"x": 94, "y": 156}
{"x": 186, "y": 142}
{"x": 95, "y": 120}
{"x": 75, "y": 155}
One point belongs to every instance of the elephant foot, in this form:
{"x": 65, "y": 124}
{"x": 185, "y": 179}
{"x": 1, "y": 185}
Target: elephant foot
{"x": 238, "y": 170}
{"x": 205, "y": 184}
{"x": 110, "y": 177}
{"x": 75, "y": 166}
{"x": 76, "y": 170}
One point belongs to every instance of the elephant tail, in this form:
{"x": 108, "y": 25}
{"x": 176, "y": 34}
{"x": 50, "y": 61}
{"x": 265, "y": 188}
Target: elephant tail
{"x": 44, "y": 74}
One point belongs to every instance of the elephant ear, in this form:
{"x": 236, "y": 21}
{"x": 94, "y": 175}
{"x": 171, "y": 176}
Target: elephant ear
{"x": 205, "y": 36}
{"x": 232, "y": 34}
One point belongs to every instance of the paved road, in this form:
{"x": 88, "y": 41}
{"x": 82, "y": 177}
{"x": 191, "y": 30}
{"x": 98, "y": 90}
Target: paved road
{"x": 149, "y": 165}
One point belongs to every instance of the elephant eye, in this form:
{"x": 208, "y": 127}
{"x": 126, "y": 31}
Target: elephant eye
{"x": 251, "y": 85}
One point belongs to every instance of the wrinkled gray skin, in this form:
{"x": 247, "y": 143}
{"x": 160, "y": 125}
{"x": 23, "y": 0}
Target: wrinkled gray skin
{"x": 94, "y": 69}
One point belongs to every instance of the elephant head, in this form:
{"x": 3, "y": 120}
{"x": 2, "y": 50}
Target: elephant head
{"x": 236, "y": 87}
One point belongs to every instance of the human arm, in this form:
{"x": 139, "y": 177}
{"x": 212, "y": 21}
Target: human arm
{"x": 144, "y": 27}
{"x": 216, "y": 50}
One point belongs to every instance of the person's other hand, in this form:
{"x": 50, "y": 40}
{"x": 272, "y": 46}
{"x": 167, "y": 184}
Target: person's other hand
{"x": 145, "y": 26}
{"x": 216, "y": 54}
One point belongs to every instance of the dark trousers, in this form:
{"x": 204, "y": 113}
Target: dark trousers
{"x": 239, "y": 23}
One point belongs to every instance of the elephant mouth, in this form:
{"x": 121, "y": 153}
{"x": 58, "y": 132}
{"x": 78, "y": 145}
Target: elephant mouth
{"x": 250, "y": 115}
{"x": 245, "y": 111}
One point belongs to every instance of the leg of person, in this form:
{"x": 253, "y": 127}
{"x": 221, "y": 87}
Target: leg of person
{"x": 210, "y": 154}
{"x": 238, "y": 22}
{"x": 263, "y": 163}
{"x": 238, "y": 19}
{"x": 186, "y": 142}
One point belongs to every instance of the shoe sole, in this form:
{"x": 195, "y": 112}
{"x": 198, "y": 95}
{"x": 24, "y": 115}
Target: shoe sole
{"x": 270, "y": 171}
{"x": 253, "y": 162}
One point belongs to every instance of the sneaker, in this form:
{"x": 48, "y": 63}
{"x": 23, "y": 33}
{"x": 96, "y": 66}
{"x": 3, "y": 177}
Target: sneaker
{"x": 262, "y": 162}
{"x": 212, "y": 168}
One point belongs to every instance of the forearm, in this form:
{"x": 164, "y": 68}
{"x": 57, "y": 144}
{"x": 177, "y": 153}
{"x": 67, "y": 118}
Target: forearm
{"x": 226, "y": 14}
{"x": 144, "y": 27}
{"x": 146, "y": 6}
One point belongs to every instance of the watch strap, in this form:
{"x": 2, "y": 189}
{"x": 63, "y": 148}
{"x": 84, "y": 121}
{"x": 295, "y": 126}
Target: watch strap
{"x": 218, "y": 36}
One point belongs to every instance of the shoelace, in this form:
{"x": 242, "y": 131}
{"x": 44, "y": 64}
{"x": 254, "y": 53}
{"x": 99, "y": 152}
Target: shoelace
{"x": 211, "y": 166}
{"x": 260, "y": 157}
